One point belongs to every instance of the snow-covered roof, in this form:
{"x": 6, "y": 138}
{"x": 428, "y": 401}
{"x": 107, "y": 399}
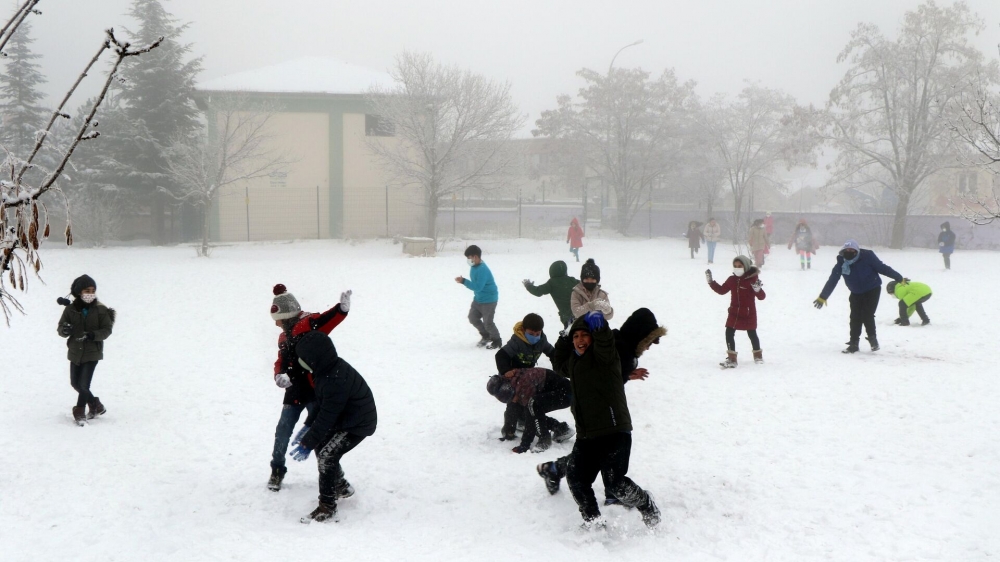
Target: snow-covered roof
{"x": 311, "y": 75}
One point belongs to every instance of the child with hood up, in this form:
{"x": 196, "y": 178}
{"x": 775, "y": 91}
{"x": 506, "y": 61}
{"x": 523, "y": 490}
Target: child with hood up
{"x": 85, "y": 323}
{"x": 694, "y": 236}
{"x": 745, "y": 289}
{"x": 588, "y": 295}
{"x": 560, "y": 286}
{"x": 912, "y": 296}
{"x": 946, "y": 243}
{"x": 574, "y": 237}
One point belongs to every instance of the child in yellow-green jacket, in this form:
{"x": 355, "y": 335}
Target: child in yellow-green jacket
{"x": 912, "y": 296}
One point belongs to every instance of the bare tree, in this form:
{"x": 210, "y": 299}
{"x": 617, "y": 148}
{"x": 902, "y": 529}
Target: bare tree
{"x": 753, "y": 135}
{"x": 23, "y": 218}
{"x": 889, "y": 116}
{"x": 452, "y": 130}
{"x": 237, "y": 148}
{"x": 631, "y": 129}
{"x": 978, "y": 127}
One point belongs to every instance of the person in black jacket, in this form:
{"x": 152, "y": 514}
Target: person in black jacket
{"x": 637, "y": 335}
{"x": 587, "y": 357}
{"x": 344, "y": 415}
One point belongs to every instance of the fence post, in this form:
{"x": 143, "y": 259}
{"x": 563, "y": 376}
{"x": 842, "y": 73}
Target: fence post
{"x": 454, "y": 208}
{"x": 317, "y": 213}
{"x": 246, "y": 194}
{"x": 386, "y": 210}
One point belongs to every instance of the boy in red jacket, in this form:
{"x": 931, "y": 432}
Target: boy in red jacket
{"x": 745, "y": 289}
{"x": 289, "y": 374}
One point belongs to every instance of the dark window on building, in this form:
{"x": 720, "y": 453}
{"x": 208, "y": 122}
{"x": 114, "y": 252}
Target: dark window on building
{"x": 375, "y": 126}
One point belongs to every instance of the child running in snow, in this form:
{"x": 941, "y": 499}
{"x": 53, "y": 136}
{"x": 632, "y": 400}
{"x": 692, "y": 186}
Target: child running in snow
{"x": 745, "y": 289}
{"x": 484, "y": 300}
{"x": 538, "y": 391}
{"x": 574, "y": 237}
{"x": 805, "y": 244}
{"x": 560, "y": 286}
{"x": 912, "y": 296}
{"x": 588, "y": 295}
{"x": 85, "y": 323}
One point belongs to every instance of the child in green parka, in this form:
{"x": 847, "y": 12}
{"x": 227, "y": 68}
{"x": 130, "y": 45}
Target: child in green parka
{"x": 560, "y": 286}
{"x": 912, "y": 296}
{"x": 85, "y": 323}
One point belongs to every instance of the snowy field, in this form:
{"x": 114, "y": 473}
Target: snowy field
{"x": 814, "y": 456}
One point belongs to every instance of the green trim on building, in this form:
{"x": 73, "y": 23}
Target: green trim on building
{"x": 335, "y": 106}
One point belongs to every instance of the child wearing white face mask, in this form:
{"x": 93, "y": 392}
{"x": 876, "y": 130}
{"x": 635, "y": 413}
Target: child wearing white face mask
{"x": 85, "y": 323}
{"x": 745, "y": 289}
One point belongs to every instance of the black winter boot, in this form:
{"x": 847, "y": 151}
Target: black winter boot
{"x": 852, "y": 347}
{"x": 874, "y": 342}
{"x": 277, "y": 475}
{"x": 562, "y": 432}
{"x": 650, "y": 513}
{"x": 322, "y": 513}
{"x": 79, "y": 415}
{"x": 96, "y": 408}
{"x": 549, "y": 473}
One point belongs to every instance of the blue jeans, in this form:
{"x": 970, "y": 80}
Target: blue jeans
{"x": 283, "y": 432}
{"x": 711, "y": 251}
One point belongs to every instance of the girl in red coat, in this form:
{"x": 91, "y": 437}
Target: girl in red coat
{"x": 575, "y": 238}
{"x": 745, "y": 289}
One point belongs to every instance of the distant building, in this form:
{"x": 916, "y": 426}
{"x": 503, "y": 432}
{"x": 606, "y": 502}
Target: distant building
{"x": 334, "y": 188}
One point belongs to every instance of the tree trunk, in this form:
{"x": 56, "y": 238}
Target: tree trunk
{"x": 204, "y": 231}
{"x": 156, "y": 214}
{"x": 623, "y": 215}
{"x": 899, "y": 222}
{"x": 432, "y": 213}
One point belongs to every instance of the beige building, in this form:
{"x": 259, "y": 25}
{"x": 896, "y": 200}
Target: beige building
{"x": 333, "y": 187}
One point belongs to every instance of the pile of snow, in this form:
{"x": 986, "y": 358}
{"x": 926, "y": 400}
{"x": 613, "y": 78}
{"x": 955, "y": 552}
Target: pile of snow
{"x": 309, "y": 75}
{"x": 815, "y": 455}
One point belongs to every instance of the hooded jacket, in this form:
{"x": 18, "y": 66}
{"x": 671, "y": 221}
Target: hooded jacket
{"x": 343, "y": 400}
{"x": 864, "y": 274}
{"x": 575, "y": 234}
{"x": 94, "y": 318}
{"x": 910, "y": 293}
{"x": 694, "y": 235}
{"x": 583, "y": 301}
{"x": 634, "y": 337}
{"x": 598, "y": 394}
{"x": 560, "y": 286}
{"x": 946, "y": 240}
{"x": 742, "y": 299}
{"x": 519, "y": 354}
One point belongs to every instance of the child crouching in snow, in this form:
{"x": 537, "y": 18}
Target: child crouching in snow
{"x": 745, "y": 289}
{"x": 85, "y": 323}
{"x": 539, "y": 391}
{"x": 522, "y": 351}
{"x": 912, "y": 296}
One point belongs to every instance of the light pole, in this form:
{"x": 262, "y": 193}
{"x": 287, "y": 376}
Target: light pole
{"x": 609, "y": 106}
{"x": 619, "y": 52}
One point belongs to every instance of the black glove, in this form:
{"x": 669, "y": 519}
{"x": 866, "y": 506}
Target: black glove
{"x": 521, "y": 449}
{"x": 66, "y": 329}
{"x": 89, "y": 336}
{"x": 62, "y": 301}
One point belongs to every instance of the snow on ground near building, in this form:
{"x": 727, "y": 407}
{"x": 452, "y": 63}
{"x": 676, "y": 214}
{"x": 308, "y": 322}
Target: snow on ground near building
{"x": 816, "y": 455}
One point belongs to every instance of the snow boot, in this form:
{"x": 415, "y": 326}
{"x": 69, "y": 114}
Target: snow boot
{"x": 549, "y": 473}
{"x": 758, "y": 356}
{"x": 543, "y": 443}
{"x": 343, "y": 489}
{"x": 96, "y": 408}
{"x": 901, "y": 321}
{"x": 594, "y": 524}
{"x": 562, "y": 432}
{"x": 483, "y": 342}
{"x": 322, "y": 513}
{"x": 925, "y": 321}
{"x": 650, "y": 513}
{"x": 730, "y": 362}
{"x": 874, "y": 342}
{"x": 494, "y": 344}
{"x": 79, "y": 416}
{"x": 852, "y": 347}
{"x": 277, "y": 475}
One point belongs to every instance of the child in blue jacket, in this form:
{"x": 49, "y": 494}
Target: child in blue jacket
{"x": 484, "y": 301}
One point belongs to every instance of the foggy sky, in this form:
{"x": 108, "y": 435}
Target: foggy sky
{"x": 537, "y": 45}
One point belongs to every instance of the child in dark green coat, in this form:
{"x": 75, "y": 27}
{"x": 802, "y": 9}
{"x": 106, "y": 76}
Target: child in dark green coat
{"x": 85, "y": 323}
{"x": 560, "y": 286}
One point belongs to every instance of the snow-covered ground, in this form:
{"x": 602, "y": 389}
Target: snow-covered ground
{"x": 814, "y": 456}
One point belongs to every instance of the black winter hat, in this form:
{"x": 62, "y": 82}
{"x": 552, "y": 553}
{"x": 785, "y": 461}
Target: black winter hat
{"x": 500, "y": 389}
{"x": 890, "y": 287}
{"x": 591, "y": 270}
{"x": 81, "y": 283}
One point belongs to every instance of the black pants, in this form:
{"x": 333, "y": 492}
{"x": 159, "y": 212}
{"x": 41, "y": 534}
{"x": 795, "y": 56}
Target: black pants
{"x": 328, "y": 457}
{"x": 79, "y": 378}
{"x": 608, "y": 455}
{"x": 863, "y": 307}
{"x": 555, "y": 398}
{"x": 731, "y": 339}
{"x": 919, "y": 305}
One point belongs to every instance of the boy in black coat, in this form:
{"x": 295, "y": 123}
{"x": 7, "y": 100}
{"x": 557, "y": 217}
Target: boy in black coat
{"x": 344, "y": 415}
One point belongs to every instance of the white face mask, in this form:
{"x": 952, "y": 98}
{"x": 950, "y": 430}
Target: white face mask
{"x": 738, "y": 271}
{"x": 470, "y": 262}
{"x": 88, "y": 297}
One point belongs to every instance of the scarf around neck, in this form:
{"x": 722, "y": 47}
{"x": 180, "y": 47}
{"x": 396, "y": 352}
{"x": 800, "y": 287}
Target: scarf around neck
{"x": 846, "y": 268}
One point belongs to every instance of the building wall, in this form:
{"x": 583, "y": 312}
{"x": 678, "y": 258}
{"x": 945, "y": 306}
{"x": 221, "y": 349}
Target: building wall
{"x": 293, "y": 204}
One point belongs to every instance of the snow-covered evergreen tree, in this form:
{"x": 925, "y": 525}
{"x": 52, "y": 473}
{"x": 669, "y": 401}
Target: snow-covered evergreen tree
{"x": 155, "y": 93}
{"x": 20, "y": 99}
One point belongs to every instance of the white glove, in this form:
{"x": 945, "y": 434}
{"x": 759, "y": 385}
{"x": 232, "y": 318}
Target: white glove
{"x": 345, "y": 300}
{"x": 757, "y": 286}
{"x": 283, "y": 381}
{"x": 602, "y": 305}
{"x": 708, "y": 275}
{"x": 527, "y": 282}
